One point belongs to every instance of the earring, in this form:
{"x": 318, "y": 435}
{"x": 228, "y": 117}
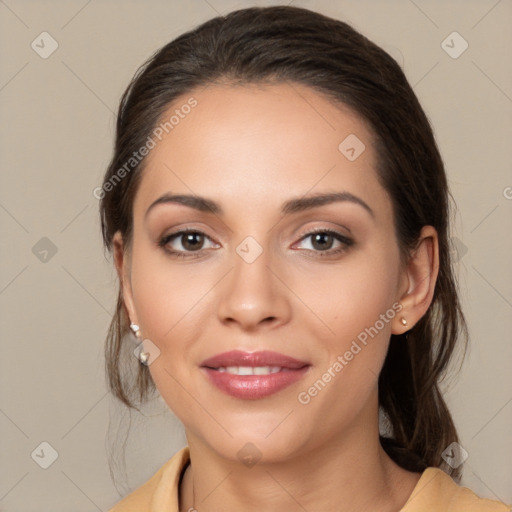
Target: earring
{"x": 403, "y": 321}
{"x": 143, "y": 357}
{"x": 136, "y": 330}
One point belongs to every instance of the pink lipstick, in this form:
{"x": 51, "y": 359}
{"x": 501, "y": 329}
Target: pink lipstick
{"x": 253, "y": 375}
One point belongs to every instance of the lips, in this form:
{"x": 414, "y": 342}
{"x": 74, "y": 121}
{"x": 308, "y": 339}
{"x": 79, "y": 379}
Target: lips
{"x": 253, "y": 375}
{"x": 253, "y": 359}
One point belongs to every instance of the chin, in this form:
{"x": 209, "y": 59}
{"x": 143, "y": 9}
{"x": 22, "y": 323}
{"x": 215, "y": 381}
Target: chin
{"x": 268, "y": 445}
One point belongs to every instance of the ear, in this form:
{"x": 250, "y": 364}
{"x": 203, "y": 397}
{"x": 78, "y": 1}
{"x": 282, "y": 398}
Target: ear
{"x": 122, "y": 263}
{"x": 418, "y": 281}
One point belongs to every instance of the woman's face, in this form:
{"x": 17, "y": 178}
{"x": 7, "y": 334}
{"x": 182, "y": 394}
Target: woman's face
{"x": 251, "y": 277}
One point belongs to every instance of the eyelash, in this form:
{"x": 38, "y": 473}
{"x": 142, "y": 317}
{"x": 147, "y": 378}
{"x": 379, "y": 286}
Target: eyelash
{"x": 190, "y": 254}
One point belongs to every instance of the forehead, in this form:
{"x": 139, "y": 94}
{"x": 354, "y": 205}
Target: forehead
{"x": 259, "y": 143}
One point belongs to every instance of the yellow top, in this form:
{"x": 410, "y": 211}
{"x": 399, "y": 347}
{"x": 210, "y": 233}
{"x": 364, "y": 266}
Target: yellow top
{"x": 434, "y": 492}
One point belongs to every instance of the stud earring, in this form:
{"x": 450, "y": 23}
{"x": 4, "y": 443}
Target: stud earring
{"x": 403, "y": 321}
{"x": 136, "y": 330}
{"x": 143, "y": 356}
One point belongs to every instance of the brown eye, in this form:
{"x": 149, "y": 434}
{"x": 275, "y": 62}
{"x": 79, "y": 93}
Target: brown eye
{"x": 185, "y": 242}
{"x": 322, "y": 241}
{"x": 325, "y": 241}
{"x": 192, "y": 241}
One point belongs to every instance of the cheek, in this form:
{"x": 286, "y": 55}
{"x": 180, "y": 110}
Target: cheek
{"x": 355, "y": 300}
{"x": 165, "y": 295}
{"x": 350, "y": 296}
{"x": 167, "y": 299}
{"x": 173, "y": 302}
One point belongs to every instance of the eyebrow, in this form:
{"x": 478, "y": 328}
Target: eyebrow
{"x": 291, "y": 206}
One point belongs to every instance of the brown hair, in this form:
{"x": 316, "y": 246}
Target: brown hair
{"x": 295, "y": 45}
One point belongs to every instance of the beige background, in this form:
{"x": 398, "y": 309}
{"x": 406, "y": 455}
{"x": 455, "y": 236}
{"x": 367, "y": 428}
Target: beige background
{"x": 55, "y": 142}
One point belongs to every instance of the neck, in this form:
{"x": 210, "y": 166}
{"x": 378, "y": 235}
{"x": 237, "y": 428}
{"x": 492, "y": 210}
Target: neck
{"x": 351, "y": 469}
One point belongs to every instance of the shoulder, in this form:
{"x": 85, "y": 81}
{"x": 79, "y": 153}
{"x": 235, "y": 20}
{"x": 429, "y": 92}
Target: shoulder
{"x": 160, "y": 492}
{"x": 436, "y": 491}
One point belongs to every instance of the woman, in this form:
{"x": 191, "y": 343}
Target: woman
{"x": 278, "y": 211}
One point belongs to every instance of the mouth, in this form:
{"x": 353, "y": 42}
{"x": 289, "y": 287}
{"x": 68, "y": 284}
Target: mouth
{"x": 253, "y": 375}
{"x": 251, "y": 370}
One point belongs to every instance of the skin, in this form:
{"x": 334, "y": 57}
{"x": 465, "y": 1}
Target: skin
{"x": 250, "y": 149}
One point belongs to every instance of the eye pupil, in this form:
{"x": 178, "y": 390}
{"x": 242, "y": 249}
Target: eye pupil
{"x": 322, "y": 241}
{"x": 190, "y": 241}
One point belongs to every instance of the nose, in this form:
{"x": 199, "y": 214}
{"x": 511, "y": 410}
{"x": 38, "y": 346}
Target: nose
{"x": 253, "y": 295}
